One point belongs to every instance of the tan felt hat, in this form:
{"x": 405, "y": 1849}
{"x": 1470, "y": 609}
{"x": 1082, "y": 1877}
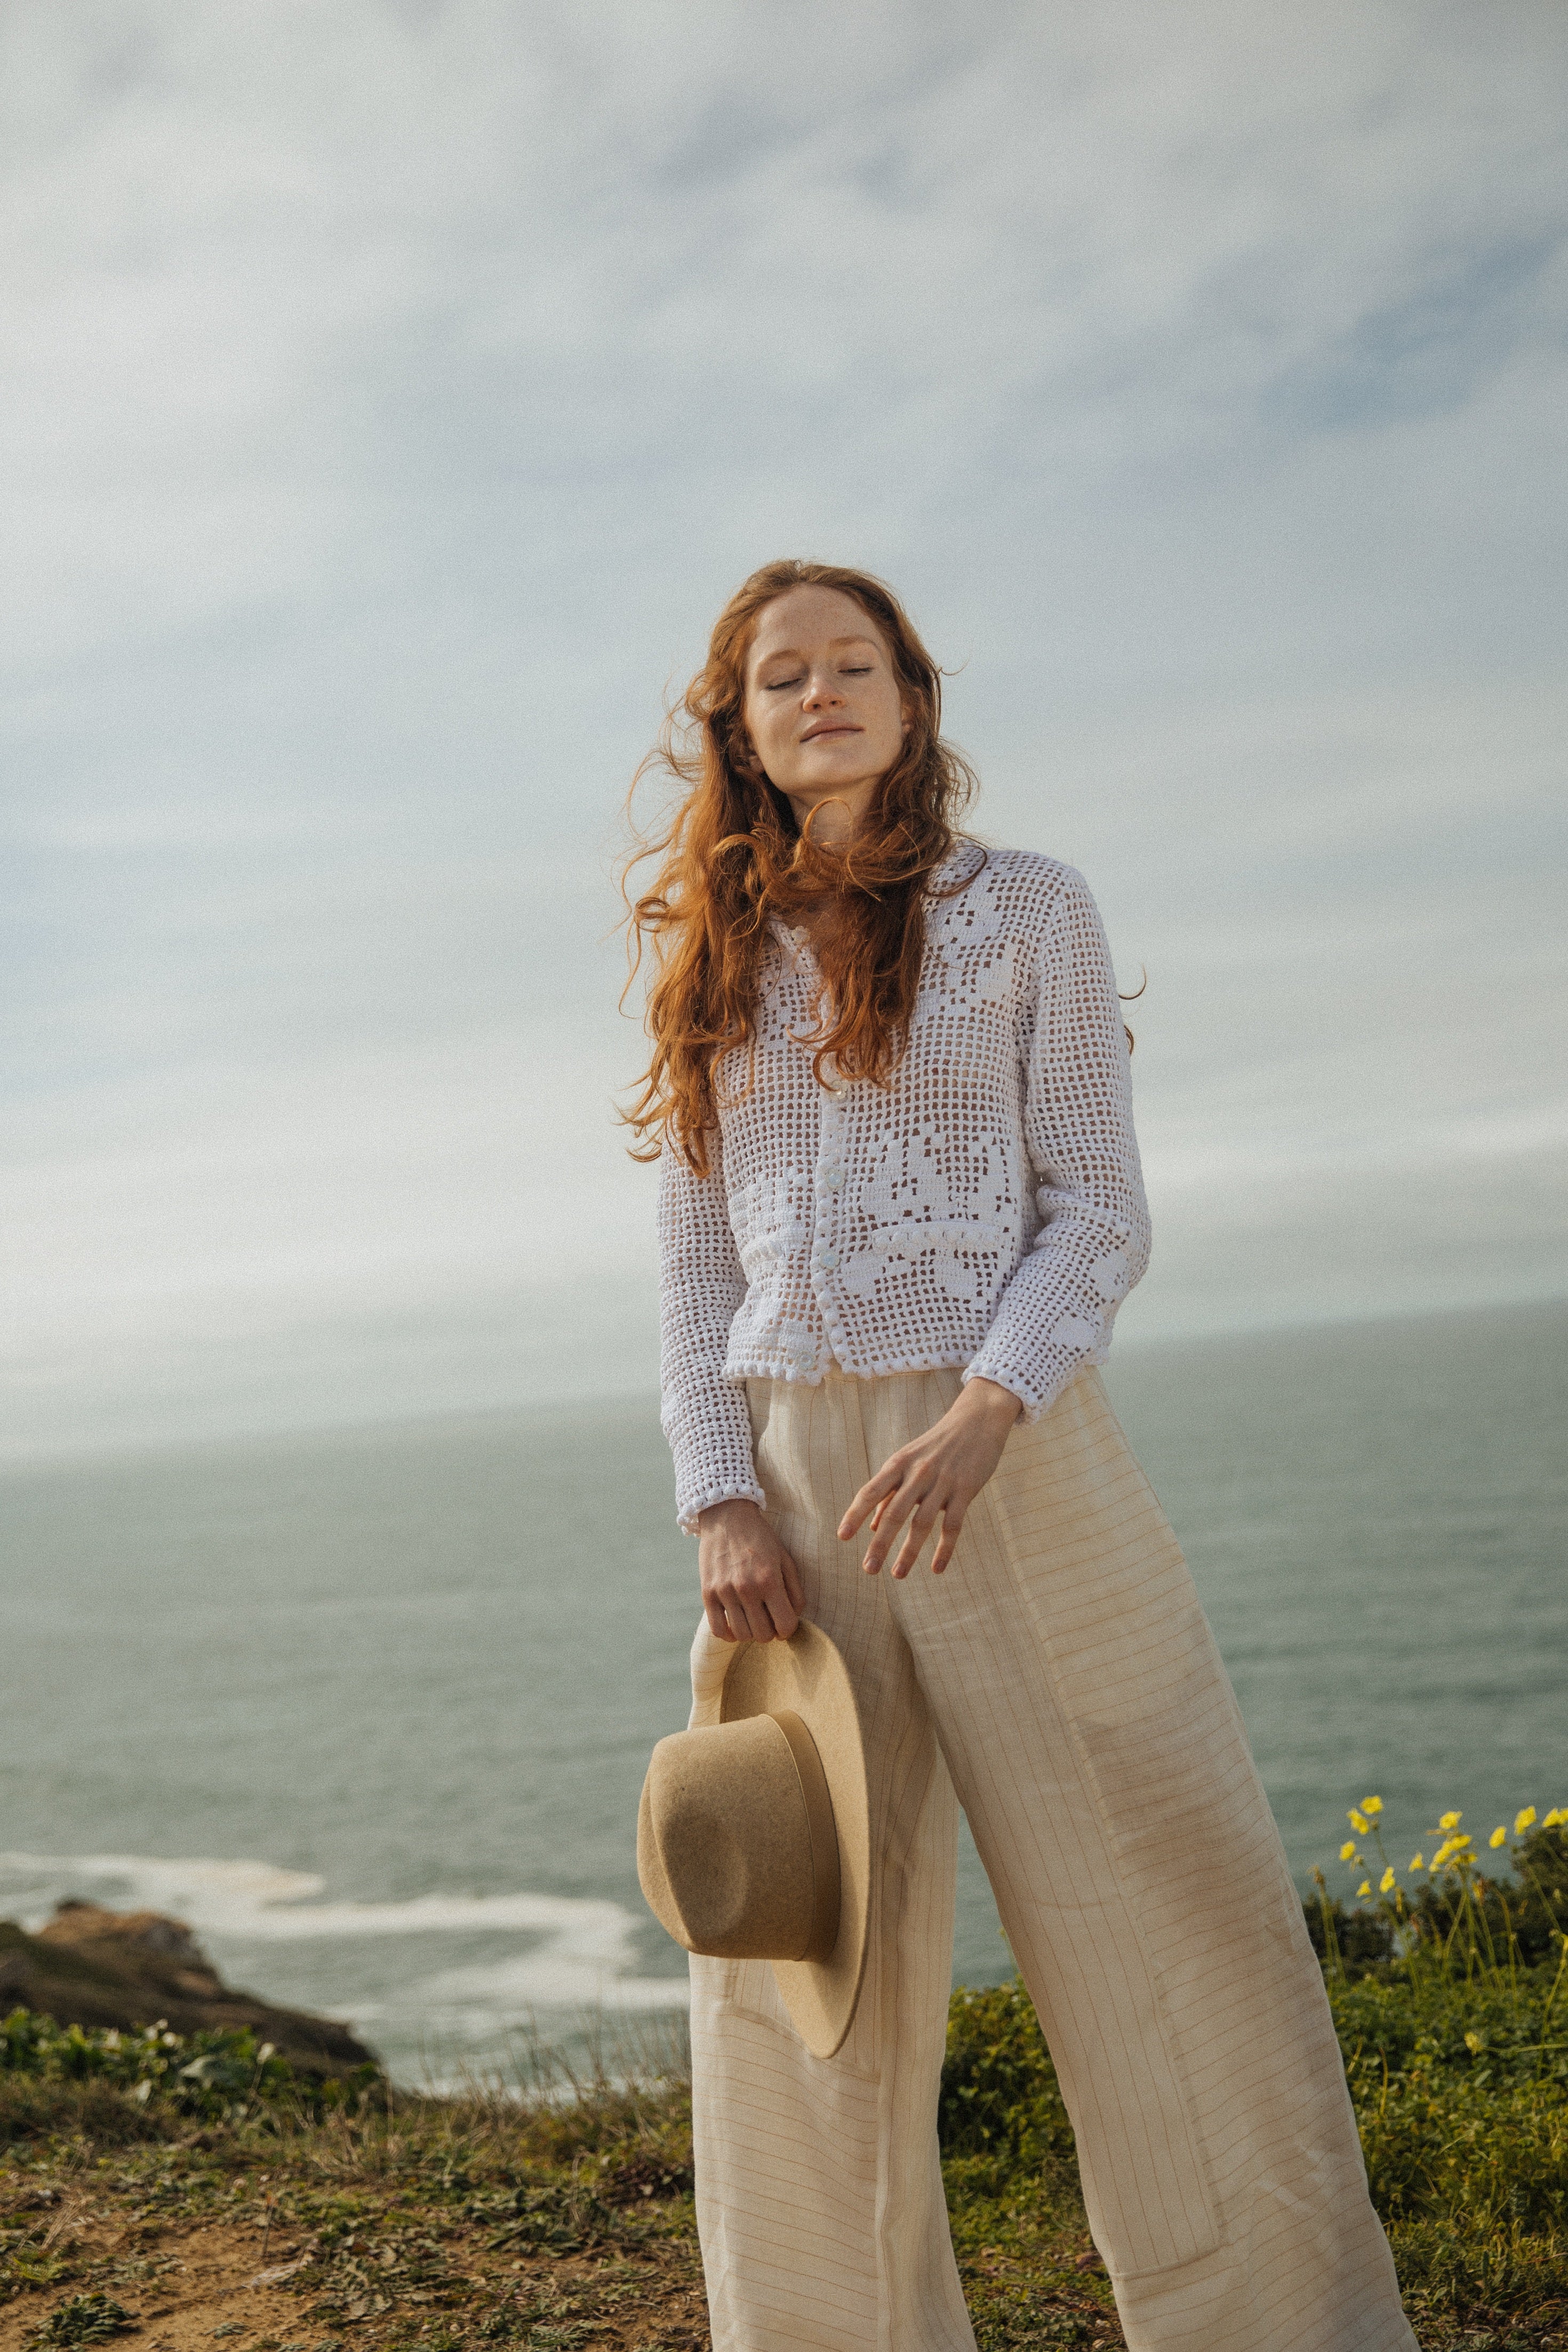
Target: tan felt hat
{"x": 754, "y": 1833}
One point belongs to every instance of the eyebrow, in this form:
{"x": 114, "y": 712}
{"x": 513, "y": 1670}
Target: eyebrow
{"x": 793, "y": 652}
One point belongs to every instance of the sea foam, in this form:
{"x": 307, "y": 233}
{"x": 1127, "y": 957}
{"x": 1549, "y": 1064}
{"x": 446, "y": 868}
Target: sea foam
{"x": 585, "y": 1955}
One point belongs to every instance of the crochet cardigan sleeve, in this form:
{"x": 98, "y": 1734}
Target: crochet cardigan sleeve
{"x": 706, "y": 1418}
{"x": 1054, "y": 1315}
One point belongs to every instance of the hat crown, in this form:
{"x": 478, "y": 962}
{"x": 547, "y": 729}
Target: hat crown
{"x": 734, "y": 1838}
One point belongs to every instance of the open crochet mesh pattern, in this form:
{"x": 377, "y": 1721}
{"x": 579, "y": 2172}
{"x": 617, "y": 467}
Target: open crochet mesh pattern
{"x": 985, "y": 1208}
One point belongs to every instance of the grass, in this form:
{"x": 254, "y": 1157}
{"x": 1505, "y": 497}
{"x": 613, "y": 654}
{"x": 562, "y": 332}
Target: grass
{"x": 375, "y": 2218}
{"x": 199, "y": 2192}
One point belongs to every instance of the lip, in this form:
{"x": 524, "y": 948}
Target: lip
{"x": 831, "y": 726}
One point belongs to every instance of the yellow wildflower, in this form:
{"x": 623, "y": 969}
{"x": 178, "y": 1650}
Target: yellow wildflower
{"x": 1364, "y": 1888}
{"x": 1522, "y": 1821}
{"x": 1473, "y": 2044}
{"x": 1372, "y": 1804}
{"x": 1463, "y": 1839}
{"x": 1417, "y": 1863}
{"x": 1347, "y": 1851}
{"x": 1449, "y": 1820}
{"x": 1386, "y": 1881}
{"x": 1554, "y": 1819}
{"x": 1358, "y": 1821}
{"x": 1498, "y": 1837}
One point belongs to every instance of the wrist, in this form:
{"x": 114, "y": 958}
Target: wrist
{"x": 717, "y": 1515}
{"x": 990, "y": 1398}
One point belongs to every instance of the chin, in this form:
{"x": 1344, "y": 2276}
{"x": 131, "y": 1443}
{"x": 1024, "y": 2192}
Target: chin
{"x": 840, "y": 773}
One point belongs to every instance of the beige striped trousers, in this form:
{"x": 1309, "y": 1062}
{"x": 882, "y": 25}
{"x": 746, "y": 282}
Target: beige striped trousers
{"x": 1060, "y": 1683}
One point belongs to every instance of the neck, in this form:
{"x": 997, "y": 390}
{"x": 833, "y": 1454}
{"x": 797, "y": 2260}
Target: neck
{"x": 835, "y": 815}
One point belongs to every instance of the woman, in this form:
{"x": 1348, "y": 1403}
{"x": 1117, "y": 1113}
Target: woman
{"x": 900, "y": 1203}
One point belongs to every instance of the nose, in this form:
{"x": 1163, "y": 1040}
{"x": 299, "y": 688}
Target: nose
{"x": 822, "y": 691}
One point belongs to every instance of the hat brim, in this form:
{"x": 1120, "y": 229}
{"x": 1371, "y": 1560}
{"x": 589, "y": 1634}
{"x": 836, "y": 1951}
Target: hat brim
{"x": 807, "y": 1675}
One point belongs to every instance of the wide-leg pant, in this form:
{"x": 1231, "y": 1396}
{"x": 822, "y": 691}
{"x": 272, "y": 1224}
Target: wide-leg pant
{"x": 1060, "y": 1679}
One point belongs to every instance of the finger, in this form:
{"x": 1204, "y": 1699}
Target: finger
{"x": 712, "y": 1599}
{"x": 915, "y": 1542}
{"x": 875, "y": 1490}
{"x": 735, "y": 1626}
{"x": 783, "y": 1619}
{"x": 917, "y": 1475}
{"x": 952, "y": 1526}
{"x": 783, "y": 1616}
{"x": 752, "y": 1602}
{"x": 889, "y": 1520}
{"x": 794, "y": 1590}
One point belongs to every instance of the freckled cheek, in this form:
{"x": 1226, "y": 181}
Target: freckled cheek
{"x": 767, "y": 735}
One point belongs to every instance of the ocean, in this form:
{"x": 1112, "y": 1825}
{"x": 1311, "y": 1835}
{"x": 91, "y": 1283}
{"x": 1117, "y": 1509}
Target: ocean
{"x": 371, "y": 1707}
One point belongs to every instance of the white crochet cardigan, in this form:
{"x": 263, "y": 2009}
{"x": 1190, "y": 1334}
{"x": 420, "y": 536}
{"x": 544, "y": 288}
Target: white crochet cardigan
{"x": 985, "y": 1208}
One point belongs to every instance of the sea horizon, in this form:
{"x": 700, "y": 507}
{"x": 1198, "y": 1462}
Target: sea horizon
{"x": 369, "y": 1704}
{"x": 580, "y": 1391}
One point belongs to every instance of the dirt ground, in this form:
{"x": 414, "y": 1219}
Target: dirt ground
{"x": 255, "y": 2284}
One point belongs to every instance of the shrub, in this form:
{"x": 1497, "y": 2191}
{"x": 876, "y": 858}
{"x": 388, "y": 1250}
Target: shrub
{"x": 1000, "y": 2096}
{"x": 83, "y": 2319}
{"x": 219, "y": 2075}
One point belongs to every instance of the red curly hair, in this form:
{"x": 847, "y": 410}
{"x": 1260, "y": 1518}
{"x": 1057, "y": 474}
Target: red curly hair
{"x": 733, "y": 856}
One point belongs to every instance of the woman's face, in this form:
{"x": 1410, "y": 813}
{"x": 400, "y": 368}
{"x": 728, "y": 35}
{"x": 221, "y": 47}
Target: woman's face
{"x": 823, "y": 707}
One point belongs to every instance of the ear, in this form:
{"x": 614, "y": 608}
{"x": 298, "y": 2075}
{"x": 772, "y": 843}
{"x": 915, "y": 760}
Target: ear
{"x": 744, "y": 752}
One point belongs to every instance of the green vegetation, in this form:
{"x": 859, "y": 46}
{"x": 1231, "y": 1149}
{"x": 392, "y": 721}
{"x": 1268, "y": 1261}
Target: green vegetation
{"x": 562, "y": 2220}
{"x": 1450, "y": 1998}
{"x": 85, "y": 2319}
{"x": 1451, "y": 2005}
{"x": 219, "y": 2075}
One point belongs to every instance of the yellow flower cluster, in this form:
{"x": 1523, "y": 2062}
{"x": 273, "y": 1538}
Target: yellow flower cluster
{"x": 1455, "y": 1849}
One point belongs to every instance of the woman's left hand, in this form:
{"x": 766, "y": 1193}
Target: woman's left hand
{"x": 935, "y": 1476}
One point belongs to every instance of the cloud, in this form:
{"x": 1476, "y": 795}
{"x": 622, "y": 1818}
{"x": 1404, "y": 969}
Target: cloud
{"x": 276, "y": 275}
{"x": 394, "y": 392}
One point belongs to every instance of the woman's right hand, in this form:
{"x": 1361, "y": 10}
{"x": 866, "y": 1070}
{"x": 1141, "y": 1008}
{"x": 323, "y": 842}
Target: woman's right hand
{"x": 750, "y": 1587}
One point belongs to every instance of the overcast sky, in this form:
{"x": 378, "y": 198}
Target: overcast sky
{"x": 392, "y": 394}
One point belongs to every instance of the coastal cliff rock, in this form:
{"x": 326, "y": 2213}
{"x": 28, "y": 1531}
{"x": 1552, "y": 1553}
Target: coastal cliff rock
{"x": 129, "y": 1968}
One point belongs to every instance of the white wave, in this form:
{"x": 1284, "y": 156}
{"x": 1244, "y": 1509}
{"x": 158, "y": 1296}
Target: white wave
{"x": 585, "y": 1959}
{"x": 551, "y": 1978}
{"x": 221, "y": 1898}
